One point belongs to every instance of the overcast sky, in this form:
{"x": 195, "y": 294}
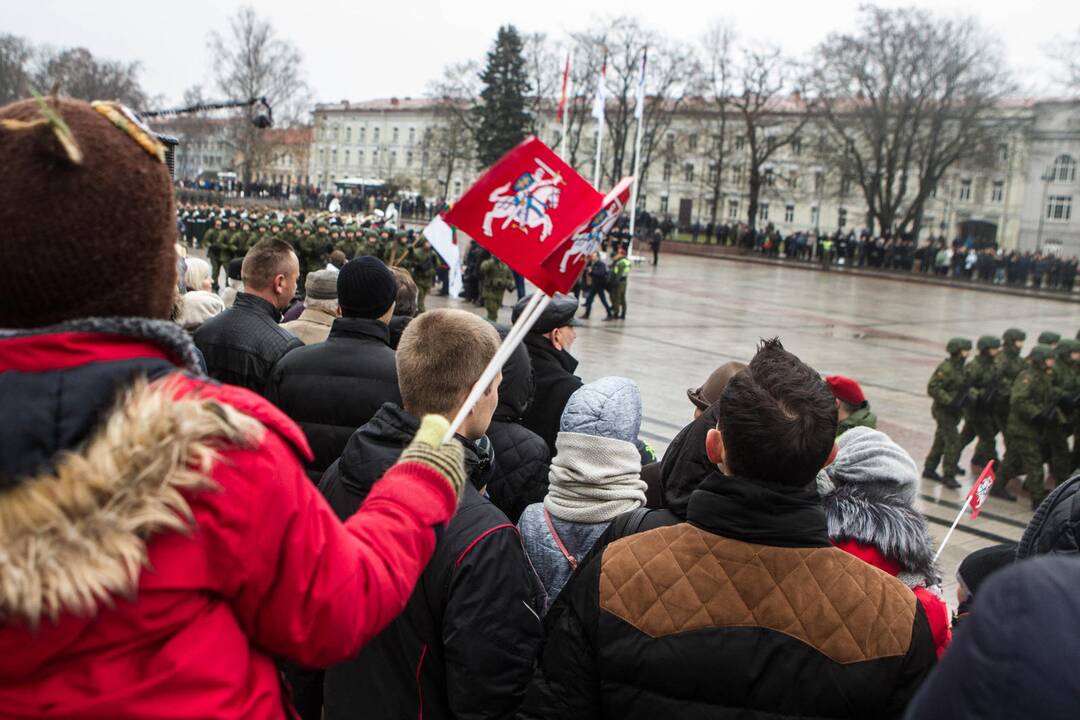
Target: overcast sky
{"x": 371, "y": 48}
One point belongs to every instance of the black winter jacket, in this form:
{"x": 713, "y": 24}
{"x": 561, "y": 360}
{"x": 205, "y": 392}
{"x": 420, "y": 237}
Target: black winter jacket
{"x": 332, "y": 388}
{"x": 466, "y": 643}
{"x": 242, "y": 344}
{"x": 1055, "y": 527}
{"x": 553, "y": 373}
{"x": 744, "y": 611}
{"x": 521, "y": 456}
{"x": 1015, "y": 656}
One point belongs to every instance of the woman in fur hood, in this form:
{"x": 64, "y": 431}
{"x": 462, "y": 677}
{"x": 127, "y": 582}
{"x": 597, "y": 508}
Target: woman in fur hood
{"x": 869, "y": 496}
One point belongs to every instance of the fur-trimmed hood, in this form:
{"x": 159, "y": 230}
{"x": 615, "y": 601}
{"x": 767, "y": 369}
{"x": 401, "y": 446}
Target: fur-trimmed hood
{"x": 881, "y": 516}
{"x": 76, "y": 534}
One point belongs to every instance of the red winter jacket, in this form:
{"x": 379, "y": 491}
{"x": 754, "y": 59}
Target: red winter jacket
{"x": 937, "y": 612}
{"x": 263, "y": 570}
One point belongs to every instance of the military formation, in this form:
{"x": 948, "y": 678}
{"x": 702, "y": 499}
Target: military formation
{"x": 226, "y": 233}
{"x": 1033, "y": 402}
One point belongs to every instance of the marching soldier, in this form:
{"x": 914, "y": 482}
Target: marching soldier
{"x": 213, "y": 248}
{"x": 980, "y": 376}
{"x": 947, "y": 389}
{"x": 1066, "y": 381}
{"x": 423, "y": 270}
{"x": 1049, "y": 337}
{"x": 1032, "y": 407}
{"x": 497, "y": 280}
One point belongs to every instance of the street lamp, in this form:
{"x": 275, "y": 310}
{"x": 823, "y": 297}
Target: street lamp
{"x": 1047, "y": 177}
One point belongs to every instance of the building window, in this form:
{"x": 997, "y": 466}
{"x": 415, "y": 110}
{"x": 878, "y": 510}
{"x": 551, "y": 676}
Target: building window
{"x": 346, "y": 158}
{"x": 763, "y": 212}
{"x": 965, "y": 190}
{"x": 736, "y": 173}
{"x": 1064, "y": 170}
{"x": 997, "y": 191}
{"x": 841, "y": 217}
{"x": 394, "y": 137}
{"x": 667, "y": 170}
{"x": 333, "y": 157}
{"x": 360, "y": 158}
{"x": 712, "y": 173}
{"x": 789, "y": 213}
{"x": 348, "y": 134}
{"x": 457, "y": 187}
{"x": 412, "y": 135}
{"x": 733, "y": 209}
{"x": 393, "y": 158}
{"x": 819, "y": 182}
{"x": 375, "y": 135}
{"x": 408, "y": 159}
{"x": 740, "y": 141}
{"x": 1003, "y": 152}
{"x": 691, "y": 142}
{"x": 845, "y": 187}
{"x": 796, "y": 147}
{"x": 769, "y": 179}
{"x": 1059, "y": 207}
{"x": 663, "y": 203}
{"x": 671, "y": 142}
{"x": 335, "y": 132}
{"x": 815, "y": 217}
{"x": 363, "y": 132}
{"x": 322, "y": 156}
{"x": 688, "y": 172}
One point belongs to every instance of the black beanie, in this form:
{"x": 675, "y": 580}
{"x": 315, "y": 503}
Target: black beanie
{"x": 235, "y": 266}
{"x": 366, "y": 288}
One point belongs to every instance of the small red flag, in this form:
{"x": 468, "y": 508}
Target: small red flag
{"x": 569, "y": 259}
{"x": 980, "y": 489}
{"x": 565, "y": 86}
{"x": 526, "y": 204}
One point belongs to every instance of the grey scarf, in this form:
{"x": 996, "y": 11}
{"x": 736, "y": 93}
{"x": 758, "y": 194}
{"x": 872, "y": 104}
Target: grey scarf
{"x": 593, "y": 479}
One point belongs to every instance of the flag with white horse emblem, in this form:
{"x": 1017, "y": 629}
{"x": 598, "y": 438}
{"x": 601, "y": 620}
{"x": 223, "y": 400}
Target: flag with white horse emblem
{"x": 525, "y": 205}
{"x": 570, "y": 258}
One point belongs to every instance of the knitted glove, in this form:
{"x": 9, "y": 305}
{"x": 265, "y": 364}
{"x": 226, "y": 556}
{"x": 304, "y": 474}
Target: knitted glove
{"x": 427, "y": 448}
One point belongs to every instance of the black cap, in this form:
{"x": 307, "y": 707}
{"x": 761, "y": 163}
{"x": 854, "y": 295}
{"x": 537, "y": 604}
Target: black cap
{"x": 365, "y": 288}
{"x": 559, "y": 313}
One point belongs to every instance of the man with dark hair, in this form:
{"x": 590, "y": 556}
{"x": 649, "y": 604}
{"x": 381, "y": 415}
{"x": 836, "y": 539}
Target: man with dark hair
{"x": 746, "y": 608}
{"x": 331, "y": 388}
{"x": 242, "y": 344}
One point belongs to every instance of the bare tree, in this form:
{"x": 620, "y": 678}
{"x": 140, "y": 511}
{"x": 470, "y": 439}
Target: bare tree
{"x": 81, "y": 75}
{"x": 1066, "y": 50}
{"x": 588, "y": 59}
{"x": 544, "y": 63}
{"x": 770, "y": 116}
{"x": 718, "y": 43}
{"x": 252, "y": 61}
{"x": 904, "y": 99}
{"x": 449, "y": 146}
{"x": 16, "y": 55}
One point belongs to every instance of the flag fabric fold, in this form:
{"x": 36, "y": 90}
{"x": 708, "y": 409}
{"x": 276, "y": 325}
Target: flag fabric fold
{"x": 442, "y": 239}
{"x": 600, "y": 101}
{"x": 565, "y": 88}
{"x": 980, "y": 489}
{"x": 639, "y": 106}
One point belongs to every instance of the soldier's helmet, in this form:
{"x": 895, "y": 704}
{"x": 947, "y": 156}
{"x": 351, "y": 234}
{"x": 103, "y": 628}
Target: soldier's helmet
{"x": 1049, "y": 337}
{"x": 1014, "y": 334}
{"x": 988, "y": 342}
{"x": 957, "y": 344}
{"x": 1041, "y": 353}
{"x": 1066, "y": 347}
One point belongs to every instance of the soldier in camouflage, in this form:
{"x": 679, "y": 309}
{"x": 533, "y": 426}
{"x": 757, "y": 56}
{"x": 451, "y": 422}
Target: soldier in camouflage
{"x": 1066, "y": 380}
{"x": 946, "y": 388}
{"x": 980, "y": 376}
{"x": 496, "y": 280}
{"x": 423, "y": 270}
{"x": 1032, "y": 408}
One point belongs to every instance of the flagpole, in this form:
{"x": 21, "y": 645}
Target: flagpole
{"x": 599, "y": 149}
{"x": 566, "y": 102}
{"x": 532, "y": 312}
{"x": 948, "y": 535}
{"x": 637, "y": 164}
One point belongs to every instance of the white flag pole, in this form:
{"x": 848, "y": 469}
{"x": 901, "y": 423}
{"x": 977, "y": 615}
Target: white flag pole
{"x": 599, "y": 149}
{"x": 532, "y": 312}
{"x": 637, "y": 165}
{"x": 566, "y": 102}
{"x": 949, "y": 534}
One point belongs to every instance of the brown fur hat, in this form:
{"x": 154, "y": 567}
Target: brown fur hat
{"x": 82, "y": 240}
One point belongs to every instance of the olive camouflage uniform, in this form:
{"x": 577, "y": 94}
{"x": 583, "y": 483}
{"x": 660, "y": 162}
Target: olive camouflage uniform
{"x": 1066, "y": 380}
{"x": 497, "y": 280}
{"x": 945, "y": 389}
{"x": 1031, "y": 409}
{"x": 980, "y": 376}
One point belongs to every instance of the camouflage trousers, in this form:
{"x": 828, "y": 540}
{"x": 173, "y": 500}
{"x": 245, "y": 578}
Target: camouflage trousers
{"x": 1023, "y": 455}
{"x": 492, "y": 305}
{"x": 618, "y": 300}
{"x": 983, "y": 428}
{"x": 946, "y": 447}
{"x": 1058, "y": 454}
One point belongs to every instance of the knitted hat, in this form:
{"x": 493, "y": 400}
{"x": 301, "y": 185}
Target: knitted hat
{"x": 321, "y": 285}
{"x": 870, "y": 456}
{"x": 365, "y": 288}
{"x": 846, "y": 389}
{"x": 609, "y": 407}
{"x": 65, "y": 220}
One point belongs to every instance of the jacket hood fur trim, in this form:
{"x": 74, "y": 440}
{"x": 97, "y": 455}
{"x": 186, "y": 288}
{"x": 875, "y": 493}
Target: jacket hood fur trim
{"x": 887, "y": 523}
{"x": 75, "y": 536}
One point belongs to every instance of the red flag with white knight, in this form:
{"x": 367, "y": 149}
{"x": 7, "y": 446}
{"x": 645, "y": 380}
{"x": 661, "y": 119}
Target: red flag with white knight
{"x": 569, "y": 259}
{"x": 526, "y": 204}
{"x": 980, "y": 489}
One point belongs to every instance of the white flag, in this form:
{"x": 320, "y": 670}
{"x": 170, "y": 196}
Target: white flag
{"x": 601, "y": 94}
{"x": 639, "y": 108}
{"x": 441, "y": 237}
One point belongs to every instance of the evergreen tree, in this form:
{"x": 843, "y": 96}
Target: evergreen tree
{"x": 503, "y": 121}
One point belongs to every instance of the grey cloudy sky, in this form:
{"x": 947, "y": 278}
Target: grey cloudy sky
{"x": 380, "y": 48}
